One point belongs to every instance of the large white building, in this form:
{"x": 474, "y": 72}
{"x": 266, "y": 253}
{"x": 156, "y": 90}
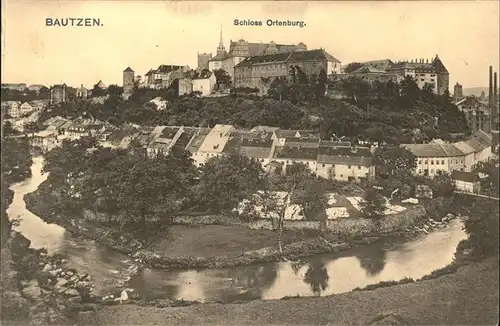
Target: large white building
{"x": 439, "y": 157}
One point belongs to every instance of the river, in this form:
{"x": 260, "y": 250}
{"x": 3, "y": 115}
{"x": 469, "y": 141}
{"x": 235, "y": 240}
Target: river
{"x": 317, "y": 275}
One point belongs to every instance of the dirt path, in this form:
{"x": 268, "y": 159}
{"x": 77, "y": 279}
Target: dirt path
{"x": 469, "y": 297}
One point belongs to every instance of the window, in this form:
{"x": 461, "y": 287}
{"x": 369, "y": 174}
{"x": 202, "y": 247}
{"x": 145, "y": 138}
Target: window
{"x": 359, "y": 167}
{"x": 432, "y": 79}
{"x": 462, "y": 160}
{"x": 322, "y": 165}
{"x": 348, "y": 166}
{"x": 432, "y": 162}
{"x": 421, "y": 79}
{"x": 419, "y": 171}
{"x": 419, "y": 161}
{"x": 442, "y": 162}
{"x": 425, "y": 162}
{"x": 437, "y": 162}
{"x": 341, "y": 175}
{"x": 432, "y": 170}
{"x": 456, "y": 161}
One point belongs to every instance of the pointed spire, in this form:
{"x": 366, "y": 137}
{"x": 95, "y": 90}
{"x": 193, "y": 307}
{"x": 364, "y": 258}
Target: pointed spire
{"x": 221, "y": 43}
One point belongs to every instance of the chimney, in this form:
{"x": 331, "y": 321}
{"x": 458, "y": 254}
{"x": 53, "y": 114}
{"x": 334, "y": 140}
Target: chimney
{"x": 495, "y": 103}
{"x": 490, "y": 92}
{"x": 495, "y": 88}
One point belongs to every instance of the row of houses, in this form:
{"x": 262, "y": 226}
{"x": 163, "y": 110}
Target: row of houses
{"x": 274, "y": 148}
{"x": 439, "y": 157}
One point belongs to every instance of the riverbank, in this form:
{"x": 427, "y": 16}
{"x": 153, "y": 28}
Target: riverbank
{"x": 467, "y": 297}
{"x": 174, "y": 247}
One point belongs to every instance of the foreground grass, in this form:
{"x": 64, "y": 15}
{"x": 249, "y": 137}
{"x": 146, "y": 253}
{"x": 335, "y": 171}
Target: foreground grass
{"x": 468, "y": 297}
{"x": 220, "y": 240}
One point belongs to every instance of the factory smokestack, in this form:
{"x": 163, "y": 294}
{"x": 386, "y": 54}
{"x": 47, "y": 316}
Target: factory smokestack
{"x": 490, "y": 92}
{"x": 495, "y": 103}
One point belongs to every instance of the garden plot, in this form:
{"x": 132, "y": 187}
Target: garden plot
{"x": 389, "y": 208}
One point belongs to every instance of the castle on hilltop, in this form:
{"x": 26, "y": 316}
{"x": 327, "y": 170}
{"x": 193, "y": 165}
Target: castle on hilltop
{"x": 423, "y": 71}
{"x": 239, "y": 51}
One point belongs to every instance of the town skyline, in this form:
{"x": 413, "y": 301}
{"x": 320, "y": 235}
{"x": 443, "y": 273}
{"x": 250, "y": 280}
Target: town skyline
{"x": 173, "y": 33}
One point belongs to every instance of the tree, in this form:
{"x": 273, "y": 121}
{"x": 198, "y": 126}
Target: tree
{"x": 115, "y": 90}
{"x": 226, "y": 180}
{"x": 353, "y": 66}
{"x": 482, "y": 226}
{"x": 489, "y": 177}
{"x": 322, "y": 84}
{"x": 373, "y": 205}
{"x": 8, "y": 129}
{"x": 222, "y": 78}
{"x": 394, "y": 161}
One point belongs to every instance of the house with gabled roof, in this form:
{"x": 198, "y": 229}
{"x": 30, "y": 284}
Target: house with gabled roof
{"x": 466, "y": 181}
{"x": 213, "y": 144}
{"x": 440, "y": 157}
{"x": 344, "y": 163}
{"x": 288, "y": 155}
{"x": 204, "y": 83}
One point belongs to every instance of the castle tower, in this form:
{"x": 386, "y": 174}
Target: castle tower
{"x": 203, "y": 59}
{"x": 128, "y": 80}
{"x": 221, "y": 50}
{"x": 457, "y": 92}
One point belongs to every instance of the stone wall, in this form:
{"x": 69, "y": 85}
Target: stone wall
{"x": 435, "y": 208}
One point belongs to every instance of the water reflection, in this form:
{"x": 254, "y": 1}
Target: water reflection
{"x": 319, "y": 275}
{"x": 372, "y": 259}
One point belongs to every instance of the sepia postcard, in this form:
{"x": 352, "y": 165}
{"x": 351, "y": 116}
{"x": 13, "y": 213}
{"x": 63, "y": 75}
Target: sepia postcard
{"x": 250, "y": 162}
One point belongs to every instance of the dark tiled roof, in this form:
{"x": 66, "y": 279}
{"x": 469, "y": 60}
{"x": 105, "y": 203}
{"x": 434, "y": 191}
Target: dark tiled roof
{"x": 295, "y": 153}
{"x": 256, "y": 49}
{"x": 204, "y": 75}
{"x": 313, "y": 55}
{"x": 232, "y": 144}
{"x": 379, "y": 64}
{"x": 257, "y": 142}
{"x": 433, "y": 150}
{"x": 464, "y": 176}
{"x": 285, "y": 57}
{"x": 256, "y": 152}
{"x": 302, "y": 142}
{"x": 334, "y": 143}
{"x": 436, "y": 65}
{"x": 169, "y": 132}
{"x": 120, "y": 133}
{"x": 219, "y": 56}
{"x": 283, "y": 133}
{"x": 167, "y": 68}
{"x": 185, "y": 138}
{"x": 128, "y": 70}
{"x": 280, "y": 57}
{"x": 345, "y": 155}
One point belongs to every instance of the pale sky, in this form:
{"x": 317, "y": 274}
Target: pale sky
{"x": 143, "y": 35}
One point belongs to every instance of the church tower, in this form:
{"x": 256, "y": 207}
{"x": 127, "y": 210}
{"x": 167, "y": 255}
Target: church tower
{"x": 221, "y": 50}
